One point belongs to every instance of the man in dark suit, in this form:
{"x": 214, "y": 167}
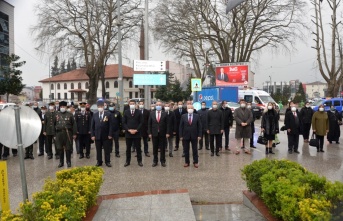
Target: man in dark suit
{"x": 158, "y": 130}
{"x": 144, "y": 128}
{"x": 101, "y": 131}
{"x": 116, "y": 127}
{"x": 190, "y": 132}
{"x": 172, "y": 126}
{"x": 132, "y": 123}
{"x": 179, "y": 111}
{"x": 83, "y": 120}
{"x": 222, "y": 76}
{"x": 203, "y": 115}
{"x": 293, "y": 127}
{"x": 228, "y": 122}
{"x": 41, "y": 138}
{"x": 215, "y": 127}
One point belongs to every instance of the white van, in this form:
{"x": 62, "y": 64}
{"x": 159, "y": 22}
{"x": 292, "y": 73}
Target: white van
{"x": 258, "y": 97}
{"x": 4, "y": 105}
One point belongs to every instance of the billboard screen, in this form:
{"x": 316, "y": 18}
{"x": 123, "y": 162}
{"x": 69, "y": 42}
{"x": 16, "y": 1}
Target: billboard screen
{"x": 232, "y": 74}
{"x": 149, "y": 79}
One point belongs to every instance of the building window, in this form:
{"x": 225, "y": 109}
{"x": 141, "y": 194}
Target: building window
{"x": 58, "y": 96}
{"x": 65, "y": 86}
{"x": 107, "y": 95}
{"x": 87, "y": 85}
{"x": 72, "y": 86}
{"x": 115, "y": 84}
{"x": 107, "y": 84}
{"x": 58, "y": 86}
{"x": 72, "y": 96}
{"x": 52, "y": 87}
{"x": 152, "y": 94}
{"x": 136, "y": 86}
{"x": 136, "y": 94}
{"x": 52, "y": 96}
{"x": 130, "y": 84}
{"x": 65, "y": 95}
{"x": 130, "y": 95}
{"x": 79, "y": 85}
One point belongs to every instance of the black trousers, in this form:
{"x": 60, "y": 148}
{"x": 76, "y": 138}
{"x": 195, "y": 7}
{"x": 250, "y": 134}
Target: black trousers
{"x": 68, "y": 155}
{"x": 137, "y": 143}
{"x": 201, "y": 142}
{"x": 29, "y": 151}
{"x": 218, "y": 142}
{"x": 42, "y": 144}
{"x": 145, "y": 144}
{"x": 177, "y": 139}
{"x": 158, "y": 142}
{"x": 293, "y": 142}
{"x": 48, "y": 145}
{"x": 320, "y": 141}
{"x": 84, "y": 143}
{"x": 106, "y": 145}
{"x": 306, "y": 131}
{"x": 226, "y": 133}
{"x": 7, "y": 151}
{"x": 186, "y": 146}
{"x": 116, "y": 142}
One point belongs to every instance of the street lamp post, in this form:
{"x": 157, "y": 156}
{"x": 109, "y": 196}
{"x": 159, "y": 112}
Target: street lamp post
{"x": 270, "y": 78}
{"x": 120, "y": 61}
{"x": 146, "y": 53}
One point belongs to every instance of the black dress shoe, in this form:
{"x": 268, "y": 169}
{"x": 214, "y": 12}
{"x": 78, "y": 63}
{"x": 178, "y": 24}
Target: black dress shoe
{"x": 126, "y": 164}
{"x": 140, "y": 164}
{"x": 31, "y": 157}
{"x": 330, "y": 142}
{"x": 81, "y": 156}
{"x": 87, "y": 156}
{"x": 57, "y": 157}
{"x": 49, "y": 157}
{"x": 296, "y": 151}
{"x": 154, "y": 164}
{"x": 60, "y": 165}
{"x": 322, "y": 151}
{"x": 4, "y": 157}
{"x": 200, "y": 148}
{"x": 147, "y": 154}
{"x": 68, "y": 164}
{"x": 217, "y": 154}
{"x": 26, "y": 157}
{"x": 109, "y": 164}
{"x": 163, "y": 164}
{"x": 290, "y": 152}
{"x": 207, "y": 148}
{"x": 40, "y": 154}
{"x": 337, "y": 142}
{"x": 212, "y": 154}
{"x": 98, "y": 164}
{"x": 252, "y": 147}
{"x": 170, "y": 155}
{"x": 117, "y": 155}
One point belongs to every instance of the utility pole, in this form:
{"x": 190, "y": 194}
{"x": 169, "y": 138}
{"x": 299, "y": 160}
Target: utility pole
{"x": 120, "y": 60}
{"x": 147, "y": 97}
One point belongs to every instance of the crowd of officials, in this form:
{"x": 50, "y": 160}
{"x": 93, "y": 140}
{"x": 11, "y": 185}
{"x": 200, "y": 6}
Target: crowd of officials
{"x": 169, "y": 126}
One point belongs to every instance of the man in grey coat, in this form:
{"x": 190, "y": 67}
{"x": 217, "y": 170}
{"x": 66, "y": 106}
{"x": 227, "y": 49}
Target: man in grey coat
{"x": 243, "y": 118}
{"x": 215, "y": 127}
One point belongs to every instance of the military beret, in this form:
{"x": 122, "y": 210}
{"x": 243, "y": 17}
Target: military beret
{"x": 63, "y": 103}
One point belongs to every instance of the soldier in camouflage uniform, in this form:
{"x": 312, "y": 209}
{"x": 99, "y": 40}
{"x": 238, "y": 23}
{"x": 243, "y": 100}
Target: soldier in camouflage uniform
{"x": 49, "y": 130}
{"x": 83, "y": 120}
{"x": 65, "y": 133}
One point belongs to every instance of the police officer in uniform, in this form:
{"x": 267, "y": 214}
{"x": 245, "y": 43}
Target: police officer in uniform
{"x": 83, "y": 121}
{"x": 65, "y": 133}
{"x": 116, "y": 127}
{"x": 50, "y": 131}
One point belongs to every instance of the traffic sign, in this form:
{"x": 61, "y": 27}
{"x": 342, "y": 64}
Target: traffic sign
{"x": 149, "y": 79}
{"x": 147, "y": 65}
{"x": 196, "y": 84}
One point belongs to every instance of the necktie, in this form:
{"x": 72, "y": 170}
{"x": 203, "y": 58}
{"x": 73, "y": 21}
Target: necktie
{"x": 43, "y": 116}
{"x": 132, "y": 113}
{"x": 222, "y": 76}
{"x": 158, "y": 116}
{"x": 180, "y": 111}
{"x": 100, "y": 117}
{"x": 142, "y": 111}
{"x": 190, "y": 119}
{"x": 295, "y": 115}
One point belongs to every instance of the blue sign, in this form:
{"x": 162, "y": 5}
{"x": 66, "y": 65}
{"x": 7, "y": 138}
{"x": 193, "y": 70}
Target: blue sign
{"x": 208, "y": 96}
{"x": 149, "y": 79}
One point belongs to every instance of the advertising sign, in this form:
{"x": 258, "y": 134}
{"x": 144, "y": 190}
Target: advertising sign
{"x": 149, "y": 79}
{"x": 208, "y": 96}
{"x": 232, "y": 74}
{"x": 196, "y": 84}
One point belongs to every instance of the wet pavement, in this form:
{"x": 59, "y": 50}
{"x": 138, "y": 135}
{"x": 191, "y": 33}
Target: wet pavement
{"x": 217, "y": 180}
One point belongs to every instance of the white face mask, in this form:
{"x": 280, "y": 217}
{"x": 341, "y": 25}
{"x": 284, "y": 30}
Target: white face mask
{"x": 62, "y": 109}
{"x": 270, "y": 107}
{"x": 166, "y": 108}
{"x": 249, "y": 106}
{"x": 190, "y": 111}
{"x": 141, "y": 106}
{"x": 100, "y": 109}
{"x": 203, "y": 107}
{"x": 83, "y": 109}
{"x": 51, "y": 108}
{"x": 68, "y": 110}
{"x": 243, "y": 105}
{"x": 321, "y": 109}
{"x": 214, "y": 106}
{"x": 180, "y": 106}
{"x": 132, "y": 107}
{"x": 307, "y": 105}
{"x": 43, "y": 111}
{"x": 34, "y": 106}
{"x": 293, "y": 109}
{"x": 152, "y": 108}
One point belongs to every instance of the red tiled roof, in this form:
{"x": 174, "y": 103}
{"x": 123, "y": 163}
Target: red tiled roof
{"x": 80, "y": 74}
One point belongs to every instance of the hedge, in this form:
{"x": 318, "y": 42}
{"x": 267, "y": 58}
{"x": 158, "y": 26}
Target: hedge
{"x": 292, "y": 193}
{"x": 68, "y": 197}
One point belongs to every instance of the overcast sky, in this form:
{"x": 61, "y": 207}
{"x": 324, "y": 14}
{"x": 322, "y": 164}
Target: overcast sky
{"x": 281, "y": 67}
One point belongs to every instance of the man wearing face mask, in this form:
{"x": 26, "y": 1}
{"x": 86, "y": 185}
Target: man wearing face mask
{"x": 132, "y": 122}
{"x": 335, "y": 119}
{"x": 66, "y": 130}
{"x": 83, "y": 121}
{"x": 41, "y": 138}
{"x": 203, "y": 116}
{"x": 179, "y": 111}
{"x": 172, "y": 125}
{"x": 293, "y": 127}
{"x": 252, "y": 126}
{"x": 50, "y": 130}
{"x": 88, "y": 109}
{"x": 116, "y": 127}
{"x": 243, "y": 118}
{"x": 305, "y": 116}
{"x": 228, "y": 121}
{"x": 190, "y": 130}
{"x": 144, "y": 128}
{"x": 101, "y": 132}
{"x": 215, "y": 127}
{"x": 36, "y": 108}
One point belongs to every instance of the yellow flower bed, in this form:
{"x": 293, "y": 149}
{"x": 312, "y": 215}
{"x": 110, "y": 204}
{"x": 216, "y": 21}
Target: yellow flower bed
{"x": 66, "y": 198}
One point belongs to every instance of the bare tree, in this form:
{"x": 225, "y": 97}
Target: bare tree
{"x": 328, "y": 45}
{"x": 87, "y": 28}
{"x": 200, "y": 29}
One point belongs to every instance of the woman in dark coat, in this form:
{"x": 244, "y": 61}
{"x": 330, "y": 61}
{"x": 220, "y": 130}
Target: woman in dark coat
{"x": 335, "y": 119}
{"x": 270, "y": 126}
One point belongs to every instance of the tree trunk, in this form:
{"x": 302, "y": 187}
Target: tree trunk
{"x": 333, "y": 88}
{"x": 93, "y": 87}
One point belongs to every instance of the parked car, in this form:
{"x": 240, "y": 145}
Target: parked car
{"x": 5, "y": 105}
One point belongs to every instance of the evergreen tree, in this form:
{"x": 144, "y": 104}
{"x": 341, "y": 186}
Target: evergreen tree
{"x": 54, "y": 69}
{"x": 73, "y": 64}
{"x": 11, "y": 82}
{"x": 300, "y": 96}
{"x": 68, "y": 66}
{"x": 62, "y": 67}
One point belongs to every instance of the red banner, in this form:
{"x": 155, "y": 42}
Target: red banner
{"x": 232, "y": 75}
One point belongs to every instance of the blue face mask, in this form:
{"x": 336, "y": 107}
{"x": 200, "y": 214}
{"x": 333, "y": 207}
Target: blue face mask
{"x": 111, "y": 108}
{"x": 158, "y": 108}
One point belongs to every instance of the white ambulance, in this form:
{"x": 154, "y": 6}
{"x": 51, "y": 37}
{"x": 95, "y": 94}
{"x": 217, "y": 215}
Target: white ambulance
{"x": 258, "y": 97}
